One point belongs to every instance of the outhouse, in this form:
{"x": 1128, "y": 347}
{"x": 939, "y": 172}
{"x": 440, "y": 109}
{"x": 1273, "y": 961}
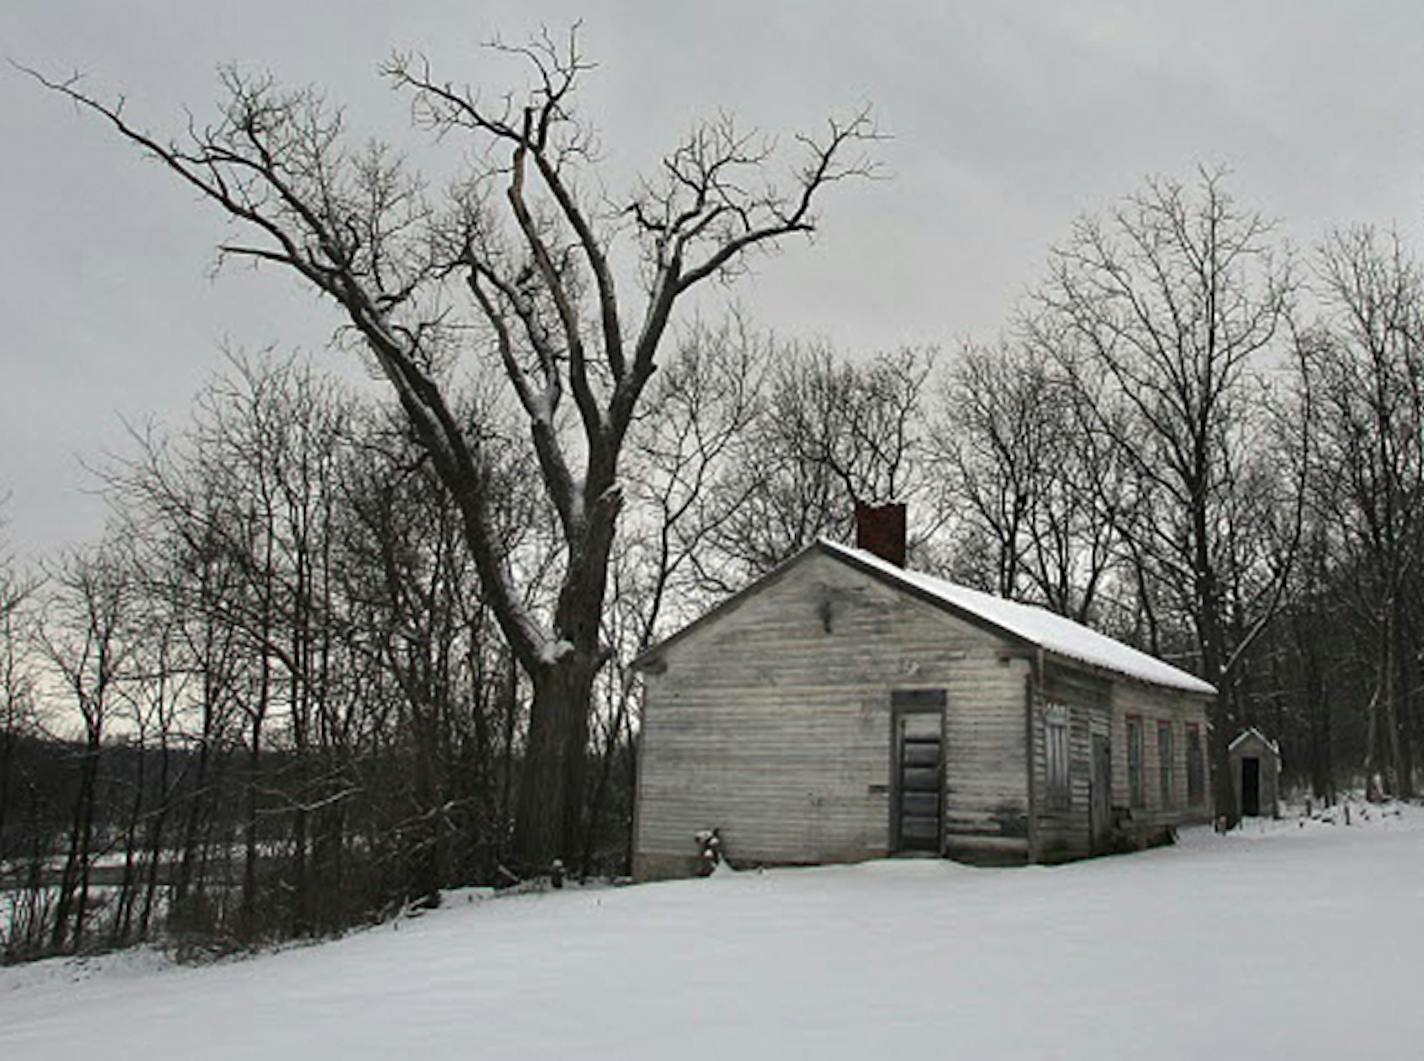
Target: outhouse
{"x": 1255, "y": 773}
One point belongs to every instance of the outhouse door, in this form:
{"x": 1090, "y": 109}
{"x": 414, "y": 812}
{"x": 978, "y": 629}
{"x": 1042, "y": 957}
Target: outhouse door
{"x": 917, "y": 816}
{"x": 1100, "y": 807}
{"x": 1250, "y": 786}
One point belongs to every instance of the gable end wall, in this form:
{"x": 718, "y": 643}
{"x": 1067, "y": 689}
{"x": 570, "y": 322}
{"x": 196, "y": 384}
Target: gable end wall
{"x": 773, "y": 724}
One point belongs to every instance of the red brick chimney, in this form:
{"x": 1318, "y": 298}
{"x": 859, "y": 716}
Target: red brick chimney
{"x": 880, "y": 529}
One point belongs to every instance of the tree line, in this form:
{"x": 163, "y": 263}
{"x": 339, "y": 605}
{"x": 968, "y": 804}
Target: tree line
{"x": 334, "y": 655}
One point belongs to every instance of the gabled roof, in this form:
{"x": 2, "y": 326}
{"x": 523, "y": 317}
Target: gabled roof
{"x": 1020, "y": 623}
{"x": 1252, "y": 731}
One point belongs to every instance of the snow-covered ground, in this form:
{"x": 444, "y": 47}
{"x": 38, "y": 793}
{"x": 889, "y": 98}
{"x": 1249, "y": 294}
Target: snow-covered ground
{"x": 1281, "y": 941}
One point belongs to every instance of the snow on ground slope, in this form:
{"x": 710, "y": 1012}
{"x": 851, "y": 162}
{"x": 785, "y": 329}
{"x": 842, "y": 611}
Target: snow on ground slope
{"x": 1280, "y": 941}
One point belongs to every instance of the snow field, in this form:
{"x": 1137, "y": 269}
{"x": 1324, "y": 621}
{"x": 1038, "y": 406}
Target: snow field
{"x": 1277, "y": 941}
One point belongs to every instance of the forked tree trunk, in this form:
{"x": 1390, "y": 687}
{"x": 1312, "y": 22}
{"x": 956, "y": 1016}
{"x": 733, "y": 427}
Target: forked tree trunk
{"x": 260, "y": 166}
{"x": 549, "y": 820}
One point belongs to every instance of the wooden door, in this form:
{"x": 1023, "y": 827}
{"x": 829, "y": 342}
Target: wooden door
{"x": 1100, "y": 806}
{"x": 919, "y": 777}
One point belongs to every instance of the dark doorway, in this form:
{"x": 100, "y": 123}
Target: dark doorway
{"x": 919, "y": 780}
{"x": 1101, "y": 806}
{"x": 1251, "y": 786}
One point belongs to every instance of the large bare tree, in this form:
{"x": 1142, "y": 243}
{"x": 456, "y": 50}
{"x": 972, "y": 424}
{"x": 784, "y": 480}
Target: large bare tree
{"x": 1368, "y": 372}
{"x": 1165, "y": 315}
{"x": 518, "y": 261}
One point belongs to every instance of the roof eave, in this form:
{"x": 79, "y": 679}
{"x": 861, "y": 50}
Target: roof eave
{"x": 920, "y": 593}
{"x": 1209, "y": 693}
{"x": 647, "y": 659}
{"x": 845, "y": 555}
{"x": 1252, "y": 731}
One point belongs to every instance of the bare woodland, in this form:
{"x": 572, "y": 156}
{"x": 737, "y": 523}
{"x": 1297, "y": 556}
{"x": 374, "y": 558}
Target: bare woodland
{"x": 333, "y": 656}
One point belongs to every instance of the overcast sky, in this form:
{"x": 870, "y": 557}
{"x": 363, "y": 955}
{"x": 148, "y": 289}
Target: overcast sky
{"x": 1008, "y": 120}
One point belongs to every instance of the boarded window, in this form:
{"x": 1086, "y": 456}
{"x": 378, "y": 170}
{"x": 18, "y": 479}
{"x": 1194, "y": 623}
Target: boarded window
{"x": 1196, "y": 767}
{"x": 1059, "y": 795}
{"x": 1164, "y": 763}
{"x": 1135, "y": 791}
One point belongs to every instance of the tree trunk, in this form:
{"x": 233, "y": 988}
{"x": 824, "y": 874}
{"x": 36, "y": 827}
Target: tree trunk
{"x": 74, "y": 882}
{"x": 509, "y": 713}
{"x": 1212, "y": 643}
{"x": 196, "y": 798}
{"x": 1389, "y": 702}
{"x": 1400, "y": 751}
{"x": 422, "y": 839}
{"x": 250, "y": 850}
{"x": 1372, "y": 711}
{"x": 1317, "y": 708}
{"x": 133, "y": 856}
{"x": 600, "y": 789}
{"x": 154, "y": 842}
{"x": 548, "y": 819}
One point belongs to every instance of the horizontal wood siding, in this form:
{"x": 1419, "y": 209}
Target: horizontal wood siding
{"x": 773, "y": 723}
{"x": 1066, "y": 832}
{"x": 1153, "y": 704}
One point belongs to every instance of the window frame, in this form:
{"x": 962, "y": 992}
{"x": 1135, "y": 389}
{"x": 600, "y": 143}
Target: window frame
{"x": 1166, "y": 765}
{"x": 1057, "y": 756}
{"x": 1136, "y": 753}
{"x": 1196, "y": 766}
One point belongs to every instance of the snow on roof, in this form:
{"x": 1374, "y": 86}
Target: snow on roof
{"x": 1051, "y": 632}
{"x": 1252, "y": 731}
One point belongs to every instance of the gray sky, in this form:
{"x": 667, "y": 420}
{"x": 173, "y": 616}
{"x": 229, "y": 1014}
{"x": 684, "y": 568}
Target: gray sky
{"x": 1008, "y": 119}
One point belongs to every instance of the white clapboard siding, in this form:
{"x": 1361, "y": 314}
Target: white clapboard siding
{"x": 1153, "y": 704}
{"x": 772, "y": 723}
{"x": 1098, "y": 704}
{"x": 1066, "y": 832}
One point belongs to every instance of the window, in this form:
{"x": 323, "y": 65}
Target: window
{"x": 1137, "y": 795}
{"x": 1196, "y": 763}
{"x": 1164, "y": 762}
{"x": 1055, "y": 738}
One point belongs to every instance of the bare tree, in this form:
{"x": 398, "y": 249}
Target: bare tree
{"x": 686, "y": 483}
{"x": 1039, "y": 491}
{"x": 518, "y": 260}
{"x": 688, "y": 475}
{"x": 1368, "y": 370}
{"x": 1164, "y": 313}
{"x": 18, "y": 706}
{"x": 147, "y": 707}
{"x": 831, "y": 431}
{"x": 860, "y": 422}
{"x": 84, "y": 638}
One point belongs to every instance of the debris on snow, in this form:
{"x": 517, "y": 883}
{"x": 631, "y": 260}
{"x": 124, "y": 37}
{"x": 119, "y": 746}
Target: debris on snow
{"x": 709, "y": 850}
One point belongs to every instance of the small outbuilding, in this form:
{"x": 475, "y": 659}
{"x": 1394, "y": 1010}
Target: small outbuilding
{"x": 843, "y": 708}
{"x": 1256, "y": 774}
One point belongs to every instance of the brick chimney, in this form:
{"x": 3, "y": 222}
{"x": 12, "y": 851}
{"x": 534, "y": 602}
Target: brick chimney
{"x": 880, "y": 529}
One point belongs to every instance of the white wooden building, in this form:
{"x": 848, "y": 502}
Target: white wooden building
{"x": 842, "y": 708}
